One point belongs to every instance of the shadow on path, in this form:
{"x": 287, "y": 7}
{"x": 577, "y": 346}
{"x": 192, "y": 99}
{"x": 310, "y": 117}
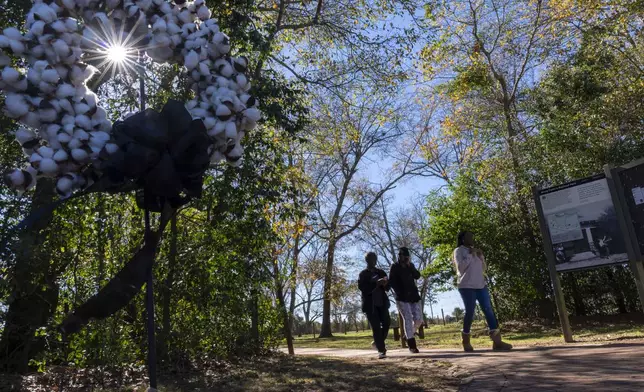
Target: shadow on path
{"x": 615, "y": 367}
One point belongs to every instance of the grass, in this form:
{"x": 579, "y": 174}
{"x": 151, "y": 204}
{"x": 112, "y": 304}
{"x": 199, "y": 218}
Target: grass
{"x": 519, "y": 334}
{"x": 279, "y": 373}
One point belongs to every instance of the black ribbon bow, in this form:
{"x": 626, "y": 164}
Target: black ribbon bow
{"x": 165, "y": 155}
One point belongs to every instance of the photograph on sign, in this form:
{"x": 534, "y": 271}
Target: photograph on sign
{"x": 632, "y": 180}
{"x": 583, "y": 225}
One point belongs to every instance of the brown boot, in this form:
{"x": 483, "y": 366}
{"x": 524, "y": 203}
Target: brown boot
{"x": 467, "y": 346}
{"x": 497, "y": 343}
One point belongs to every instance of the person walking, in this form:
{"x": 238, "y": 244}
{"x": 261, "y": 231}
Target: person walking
{"x": 402, "y": 278}
{"x": 373, "y": 284}
{"x": 470, "y": 270}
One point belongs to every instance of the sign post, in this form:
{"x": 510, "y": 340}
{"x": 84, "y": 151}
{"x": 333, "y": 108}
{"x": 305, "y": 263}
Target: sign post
{"x": 552, "y": 269}
{"x": 626, "y": 219}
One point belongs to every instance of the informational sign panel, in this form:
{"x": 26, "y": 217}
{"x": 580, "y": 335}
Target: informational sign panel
{"x": 632, "y": 182}
{"x": 582, "y": 224}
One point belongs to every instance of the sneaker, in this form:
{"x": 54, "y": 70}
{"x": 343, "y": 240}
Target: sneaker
{"x": 382, "y": 355}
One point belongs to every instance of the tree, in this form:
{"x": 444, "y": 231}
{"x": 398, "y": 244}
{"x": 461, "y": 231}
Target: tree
{"x": 347, "y": 133}
{"x": 490, "y": 51}
{"x": 458, "y": 313}
{"x": 385, "y": 231}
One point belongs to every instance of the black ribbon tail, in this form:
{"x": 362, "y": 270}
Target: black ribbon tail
{"x": 118, "y": 292}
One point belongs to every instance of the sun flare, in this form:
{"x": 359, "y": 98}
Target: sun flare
{"x": 117, "y": 53}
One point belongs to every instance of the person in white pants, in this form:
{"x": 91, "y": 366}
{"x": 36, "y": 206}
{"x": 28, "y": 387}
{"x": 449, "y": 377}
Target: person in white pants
{"x": 402, "y": 278}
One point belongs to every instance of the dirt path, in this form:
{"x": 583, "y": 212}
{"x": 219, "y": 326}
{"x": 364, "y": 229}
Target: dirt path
{"x": 574, "y": 368}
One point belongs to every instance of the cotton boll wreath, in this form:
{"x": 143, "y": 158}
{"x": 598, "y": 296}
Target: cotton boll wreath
{"x": 66, "y": 134}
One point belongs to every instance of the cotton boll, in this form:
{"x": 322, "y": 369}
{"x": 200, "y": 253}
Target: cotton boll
{"x": 160, "y": 26}
{"x": 172, "y": 28}
{"x": 224, "y": 68}
{"x": 199, "y": 113}
{"x": 81, "y": 135}
{"x": 80, "y": 155}
{"x": 68, "y": 120}
{"x": 210, "y": 122}
{"x": 15, "y": 105}
{"x": 231, "y": 130}
{"x": 74, "y": 143}
{"x": 50, "y": 76}
{"x": 17, "y": 47}
{"x": 37, "y": 28}
{"x": 63, "y": 137}
{"x": 191, "y": 104}
{"x": 61, "y": 156}
{"x": 58, "y": 26}
{"x": 52, "y": 130}
{"x": 61, "y": 48}
{"x": 48, "y": 167}
{"x": 35, "y": 159}
{"x": 241, "y": 81}
{"x": 91, "y": 99}
{"x": 203, "y": 13}
{"x": 10, "y": 75}
{"x": 252, "y": 114}
{"x": 185, "y": 16}
{"x": 67, "y": 106}
{"x": 220, "y": 127}
{"x": 203, "y": 104}
{"x": 81, "y": 108}
{"x": 44, "y": 12}
{"x": 64, "y": 186}
{"x": 12, "y": 33}
{"x": 111, "y": 148}
{"x": 16, "y": 178}
{"x": 191, "y": 60}
{"x": 204, "y": 68}
{"x": 45, "y": 152}
{"x": 83, "y": 121}
{"x": 103, "y": 137}
{"x": 223, "y": 112}
{"x": 65, "y": 91}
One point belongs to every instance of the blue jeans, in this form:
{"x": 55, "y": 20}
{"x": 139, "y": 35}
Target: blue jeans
{"x": 470, "y": 296}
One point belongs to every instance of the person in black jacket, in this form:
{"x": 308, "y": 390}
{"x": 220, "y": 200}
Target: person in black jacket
{"x": 374, "y": 285}
{"x": 403, "y": 277}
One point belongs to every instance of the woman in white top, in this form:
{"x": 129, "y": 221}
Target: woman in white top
{"x": 470, "y": 269}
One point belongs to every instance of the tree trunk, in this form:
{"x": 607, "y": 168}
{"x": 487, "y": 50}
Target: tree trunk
{"x": 325, "y": 330}
{"x": 286, "y": 319}
{"x": 293, "y": 279}
{"x": 254, "y": 315}
{"x": 577, "y": 299}
{"x": 620, "y": 299}
{"x": 167, "y": 288}
{"x": 34, "y": 294}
